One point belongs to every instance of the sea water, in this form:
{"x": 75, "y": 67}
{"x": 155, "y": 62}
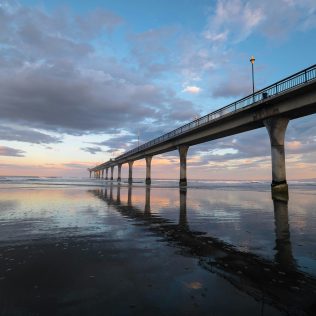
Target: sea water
{"x": 79, "y": 246}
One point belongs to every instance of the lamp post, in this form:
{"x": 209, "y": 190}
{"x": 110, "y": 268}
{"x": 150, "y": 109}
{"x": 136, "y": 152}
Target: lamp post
{"x": 252, "y": 60}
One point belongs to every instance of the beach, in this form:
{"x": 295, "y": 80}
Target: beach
{"x": 78, "y": 247}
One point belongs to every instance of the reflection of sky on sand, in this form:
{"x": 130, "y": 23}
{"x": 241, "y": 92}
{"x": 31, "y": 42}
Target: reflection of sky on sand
{"x": 29, "y": 213}
{"x": 244, "y": 218}
{"x": 161, "y": 241}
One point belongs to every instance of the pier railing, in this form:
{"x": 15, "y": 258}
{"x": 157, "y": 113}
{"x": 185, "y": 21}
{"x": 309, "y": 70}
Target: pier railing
{"x": 290, "y": 82}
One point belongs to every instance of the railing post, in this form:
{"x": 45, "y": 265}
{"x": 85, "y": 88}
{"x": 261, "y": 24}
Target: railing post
{"x": 305, "y": 73}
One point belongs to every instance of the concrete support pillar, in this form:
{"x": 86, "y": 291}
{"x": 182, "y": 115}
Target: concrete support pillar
{"x": 130, "y": 172}
{"x": 112, "y": 171}
{"x": 90, "y": 173}
{"x": 106, "y": 173}
{"x": 276, "y": 128}
{"x": 148, "y": 169}
{"x": 147, "y": 201}
{"x": 284, "y": 255}
{"x": 183, "y": 222}
{"x": 102, "y": 176}
{"x": 183, "y": 150}
{"x": 119, "y": 169}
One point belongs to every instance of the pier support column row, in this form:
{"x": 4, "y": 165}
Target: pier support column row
{"x": 148, "y": 169}
{"x": 112, "y": 171}
{"x": 183, "y": 150}
{"x": 119, "y": 169}
{"x": 276, "y": 128}
{"x": 130, "y": 172}
{"x": 106, "y": 173}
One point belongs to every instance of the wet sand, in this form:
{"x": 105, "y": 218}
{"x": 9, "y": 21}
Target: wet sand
{"x": 120, "y": 250}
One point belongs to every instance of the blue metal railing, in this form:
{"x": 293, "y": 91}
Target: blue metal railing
{"x": 290, "y": 82}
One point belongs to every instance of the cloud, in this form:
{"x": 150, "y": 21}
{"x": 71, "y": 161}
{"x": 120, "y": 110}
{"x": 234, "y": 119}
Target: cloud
{"x": 236, "y": 20}
{"x": 192, "y": 89}
{"x": 12, "y": 152}
{"x": 26, "y": 135}
{"x": 54, "y": 79}
{"x": 235, "y": 84}
{"x": 92, "y": 150}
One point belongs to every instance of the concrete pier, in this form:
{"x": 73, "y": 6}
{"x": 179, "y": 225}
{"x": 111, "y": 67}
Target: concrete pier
{"x": 148, "y": 169}
{"x": 112, "y": 171}
{"x": 119, "y": 170}
{"x": 106, "y": 173}
{"x": 276, "y": 128}
{"x": 102, "y": 174}
{"x": 288, "y": 99}
{"x": 90, "y": 173}
{"x": 183, "y": 150}
{"x": 130, "y": 171}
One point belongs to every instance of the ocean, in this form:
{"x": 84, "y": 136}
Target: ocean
{"x": 88, "y": 246}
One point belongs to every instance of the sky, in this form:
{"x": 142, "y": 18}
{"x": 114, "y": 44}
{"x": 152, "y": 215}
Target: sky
{"x": 83, "y": 81}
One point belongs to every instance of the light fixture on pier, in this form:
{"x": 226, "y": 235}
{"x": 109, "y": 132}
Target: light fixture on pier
{"x": 252, "y": 60}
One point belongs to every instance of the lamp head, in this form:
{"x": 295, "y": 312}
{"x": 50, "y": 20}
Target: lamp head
{"x": 252, "y": 60}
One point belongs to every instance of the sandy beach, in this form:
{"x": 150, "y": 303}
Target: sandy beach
{"x": 134, "y": 250}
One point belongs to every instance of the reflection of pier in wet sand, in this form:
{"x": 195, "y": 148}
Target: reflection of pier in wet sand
{"x": 278, "y": 283}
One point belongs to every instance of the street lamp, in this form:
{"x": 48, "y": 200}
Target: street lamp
{"x": 252, "y": 60}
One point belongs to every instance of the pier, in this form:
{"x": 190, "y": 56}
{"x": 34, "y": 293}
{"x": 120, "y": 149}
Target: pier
{"x": 273, "y": 107}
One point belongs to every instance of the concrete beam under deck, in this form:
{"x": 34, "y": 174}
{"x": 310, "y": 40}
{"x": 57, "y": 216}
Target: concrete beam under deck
{"x": 292, "y": 104}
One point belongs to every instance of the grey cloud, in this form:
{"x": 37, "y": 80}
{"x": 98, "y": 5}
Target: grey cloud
{"x": 75, "y": 103}
{"x": 235, "y": 86}
{"x": 51, "y": 80}
{"x": 154, "y": 49}
{"x": 92, "y": 150}
{"x": 12, "y": 152}
{"x": 119, "y": 142}
{"x": 26, "y": 135}
{"x": 95, "y": 22}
